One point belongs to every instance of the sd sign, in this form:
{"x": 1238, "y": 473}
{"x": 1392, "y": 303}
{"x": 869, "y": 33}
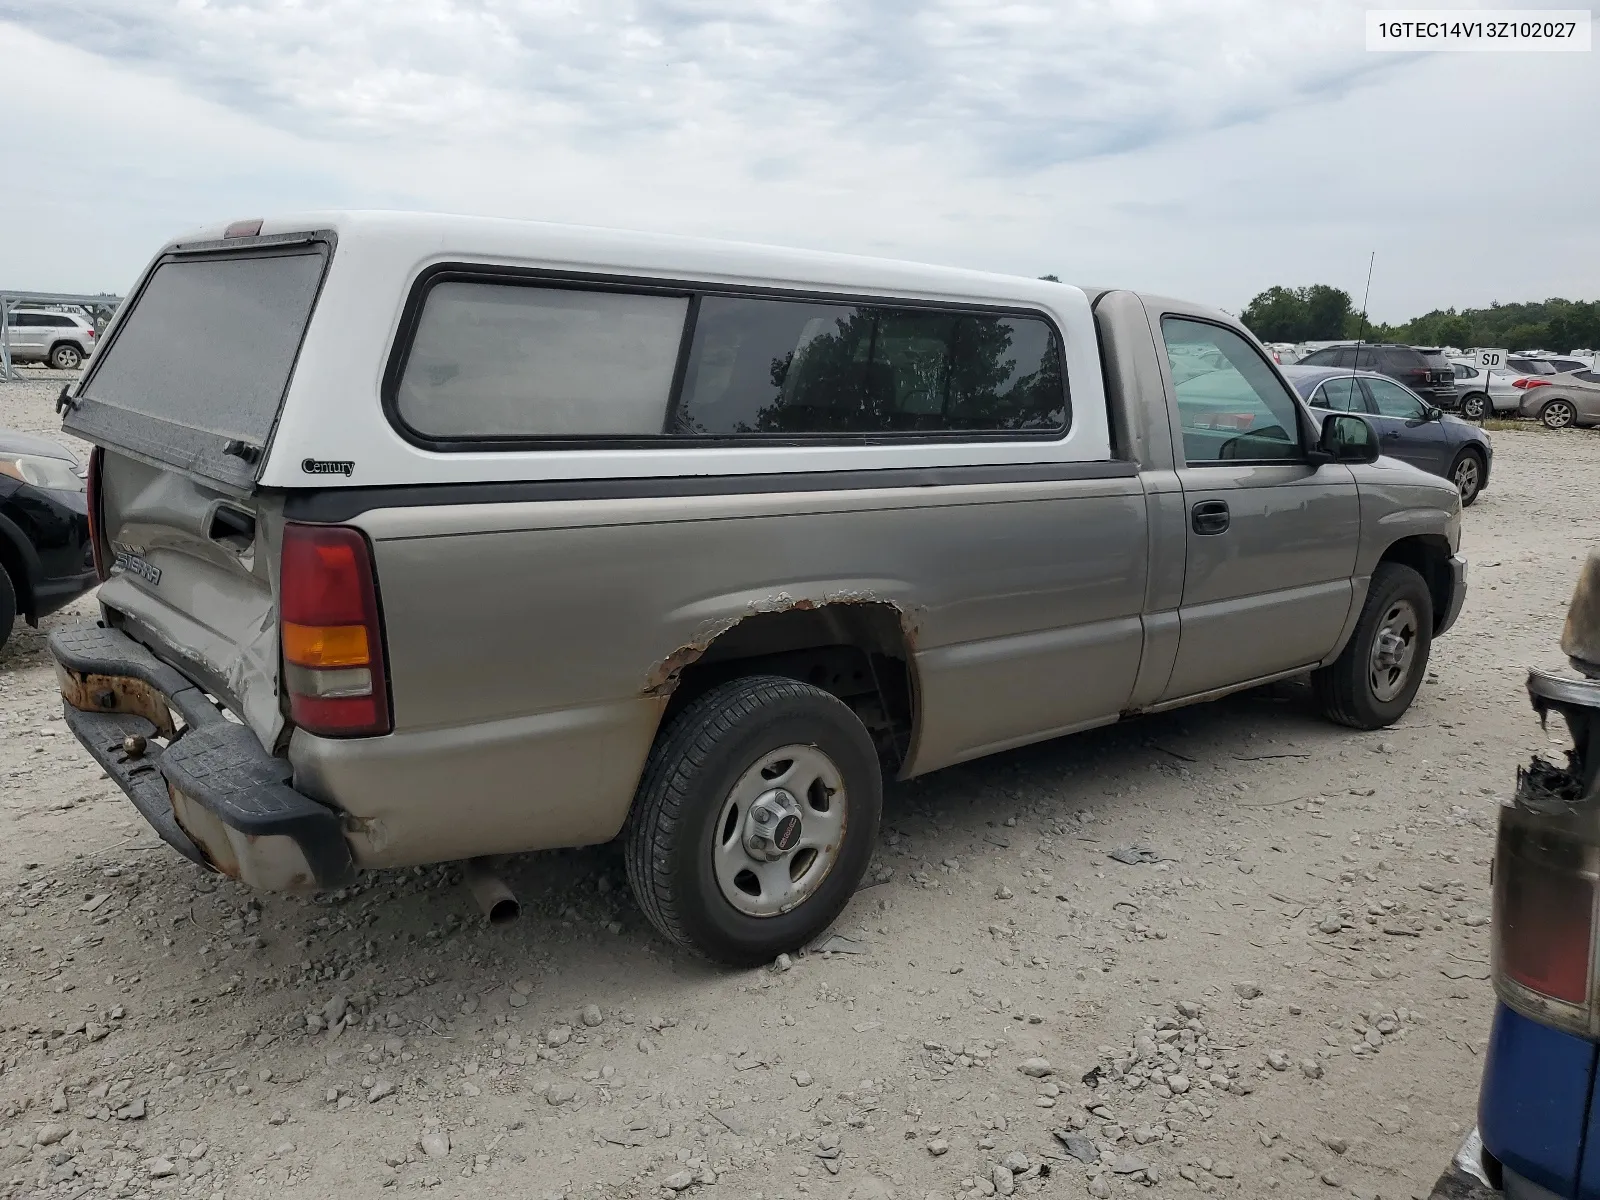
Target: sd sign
{"x": 1491, "y": 360}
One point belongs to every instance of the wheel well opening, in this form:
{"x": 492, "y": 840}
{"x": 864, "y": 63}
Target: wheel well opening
{"x": 17, "y": 568}
{"x": 1429, "y": 556}
{"x": 859, "y": 652}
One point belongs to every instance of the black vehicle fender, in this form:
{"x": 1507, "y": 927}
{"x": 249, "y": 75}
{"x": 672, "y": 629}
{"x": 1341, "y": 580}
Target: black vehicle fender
{"x": 21, "y": 562}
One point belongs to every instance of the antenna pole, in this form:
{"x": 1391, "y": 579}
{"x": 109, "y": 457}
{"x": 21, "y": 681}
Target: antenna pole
{"x": 1362, "y": 336}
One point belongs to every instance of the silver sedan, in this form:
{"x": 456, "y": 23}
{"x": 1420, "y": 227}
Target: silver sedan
{"x": 1571, "y": 398}
{"x": 1477, "y": 400}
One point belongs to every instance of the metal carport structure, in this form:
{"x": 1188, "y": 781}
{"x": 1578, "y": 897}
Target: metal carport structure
{"x": 104, "y": 302}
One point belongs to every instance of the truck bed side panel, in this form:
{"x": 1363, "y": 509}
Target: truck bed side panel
{"x": 1020, "y": 602}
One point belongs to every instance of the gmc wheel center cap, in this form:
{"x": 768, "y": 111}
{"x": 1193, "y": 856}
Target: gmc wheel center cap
{"x": 787, "y": 833}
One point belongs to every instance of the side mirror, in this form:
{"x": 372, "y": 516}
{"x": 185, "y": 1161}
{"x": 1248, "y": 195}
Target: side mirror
{"x": 1433, "y": 413}
{"x": 1348, "y": 439}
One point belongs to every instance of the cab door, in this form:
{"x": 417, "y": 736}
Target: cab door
{"x": 25, "y": 335}
{"x": 1271, "y": 535}
{"x": 1405, "y": 431}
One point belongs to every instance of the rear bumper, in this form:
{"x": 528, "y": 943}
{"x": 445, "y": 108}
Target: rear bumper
{"x": 209, "y": 787}
{"x": 1474, "y": 1174}
{"x": 1468, "y": 1176}
{"x": 1458, "y": 595}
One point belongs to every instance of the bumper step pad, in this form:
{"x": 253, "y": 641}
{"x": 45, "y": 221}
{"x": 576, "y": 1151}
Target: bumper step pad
{"x": 213, "y": 761}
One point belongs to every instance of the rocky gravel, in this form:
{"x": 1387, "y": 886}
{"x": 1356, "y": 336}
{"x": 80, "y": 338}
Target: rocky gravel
{"x": 1231, "y": 950}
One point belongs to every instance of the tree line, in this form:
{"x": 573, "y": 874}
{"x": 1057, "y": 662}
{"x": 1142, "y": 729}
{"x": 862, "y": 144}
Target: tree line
{"x": 1321, "y": 313}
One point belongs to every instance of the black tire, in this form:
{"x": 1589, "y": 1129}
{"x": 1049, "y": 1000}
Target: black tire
{"x": 1345, "y": 689}
{"x": 1475, "y": 407}
{"x": 1469, "y": 482}
{"x": 8, "y": 606}
{"x": 692, "y": 770}
{"x": 66, "y": 357}
{"x": 1558, "y": 414}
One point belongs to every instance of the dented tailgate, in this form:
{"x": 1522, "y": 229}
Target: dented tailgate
{"x": 183, "y": 399}
{"x": 192, "y": 580}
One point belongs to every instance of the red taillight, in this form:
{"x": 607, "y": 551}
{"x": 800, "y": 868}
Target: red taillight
{"x": 1544, "y": 901}
{"x": 331, "y": 632}
{"x": 1524, "y": 384}
{"x": 96, "y": 528}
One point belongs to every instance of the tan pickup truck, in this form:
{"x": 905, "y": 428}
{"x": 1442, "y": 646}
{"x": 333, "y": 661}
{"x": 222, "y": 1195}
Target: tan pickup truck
{"x": 469, "y": 537}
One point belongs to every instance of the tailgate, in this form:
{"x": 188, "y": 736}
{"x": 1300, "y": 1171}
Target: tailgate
{"x": 192, "y": 580}
{"x": 183, "y": 398}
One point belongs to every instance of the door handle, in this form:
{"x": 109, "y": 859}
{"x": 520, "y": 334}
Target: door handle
{"x": 1209, "y": 516}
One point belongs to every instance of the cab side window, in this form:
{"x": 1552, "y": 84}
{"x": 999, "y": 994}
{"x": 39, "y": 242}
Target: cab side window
{"x": 1392, "y": 400}
{"x": 1341, "y": 394}
{"x": 804, "y": 367}
{"x": 1232, "y": 406}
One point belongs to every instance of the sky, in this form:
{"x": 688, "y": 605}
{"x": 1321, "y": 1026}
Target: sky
{"x": 1206, "y": 149}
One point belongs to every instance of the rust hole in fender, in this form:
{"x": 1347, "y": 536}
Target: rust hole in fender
{"x": 663, "y": 677}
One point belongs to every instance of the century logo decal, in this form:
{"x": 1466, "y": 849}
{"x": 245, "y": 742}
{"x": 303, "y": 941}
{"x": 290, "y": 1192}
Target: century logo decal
{"x": 328, "y": 466}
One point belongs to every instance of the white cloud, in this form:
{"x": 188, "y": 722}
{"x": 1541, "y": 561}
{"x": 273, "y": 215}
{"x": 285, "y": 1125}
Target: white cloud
{"x": 1027, "y": 83}
{"x": 1208, "y": 148}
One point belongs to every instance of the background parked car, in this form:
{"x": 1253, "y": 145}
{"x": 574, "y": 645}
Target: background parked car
{"x": 1425, "y": 373}
{"x": 1572, "y": 398}
{"x": 45, "y": 556}
{"x": 1409, "y": 428}
{"x": 1480, "y": 392}
{"x": 1565, "y": 363}
{"x": 1524, "y": 364}
{"x": 64, "y": 340}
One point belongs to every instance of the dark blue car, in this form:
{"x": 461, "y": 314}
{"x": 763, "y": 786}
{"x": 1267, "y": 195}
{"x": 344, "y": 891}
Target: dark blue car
{"x": 1409, "y": 428}
{"x": 1538, "y": 1135}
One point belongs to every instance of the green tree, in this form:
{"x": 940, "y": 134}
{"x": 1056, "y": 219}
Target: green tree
{"x": 1326, "y": 309}
{"x": 1322, "y": 313}
{"x": 1315, "y": 313}
{"x": 1455, "y": 330}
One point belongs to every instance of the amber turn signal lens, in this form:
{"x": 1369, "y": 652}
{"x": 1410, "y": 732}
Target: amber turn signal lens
{"x": 326, "y": 645}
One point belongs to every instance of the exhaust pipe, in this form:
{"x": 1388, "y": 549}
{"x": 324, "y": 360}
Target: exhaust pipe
{"x": 497, "y": 901}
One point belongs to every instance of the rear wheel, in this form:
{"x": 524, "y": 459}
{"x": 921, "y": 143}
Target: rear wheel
{"x": 1558, "y": 414}
{"x": 1467, "y": 474}
{"x": 8, "y": 605}
{"x": 1475, "y": 407}
{"x": 755, "y": 819}
{"x": 1372, "y": 683}
{"x": 66, "y": 357}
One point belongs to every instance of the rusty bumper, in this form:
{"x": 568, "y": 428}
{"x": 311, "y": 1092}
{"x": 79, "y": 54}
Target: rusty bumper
{"x": 204, "y": 783}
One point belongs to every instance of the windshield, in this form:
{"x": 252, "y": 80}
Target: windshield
{"x": 203, "y": 359}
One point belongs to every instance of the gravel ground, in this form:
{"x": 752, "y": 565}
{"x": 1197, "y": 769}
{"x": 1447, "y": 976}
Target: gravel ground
{"x": 1284, "y": 994}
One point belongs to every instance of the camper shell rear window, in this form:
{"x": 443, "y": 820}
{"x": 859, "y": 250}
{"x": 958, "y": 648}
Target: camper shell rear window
{"x": 195, "y": 372}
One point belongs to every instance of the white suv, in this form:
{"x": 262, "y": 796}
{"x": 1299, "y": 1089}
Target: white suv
{"x": 64, "y": 340}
